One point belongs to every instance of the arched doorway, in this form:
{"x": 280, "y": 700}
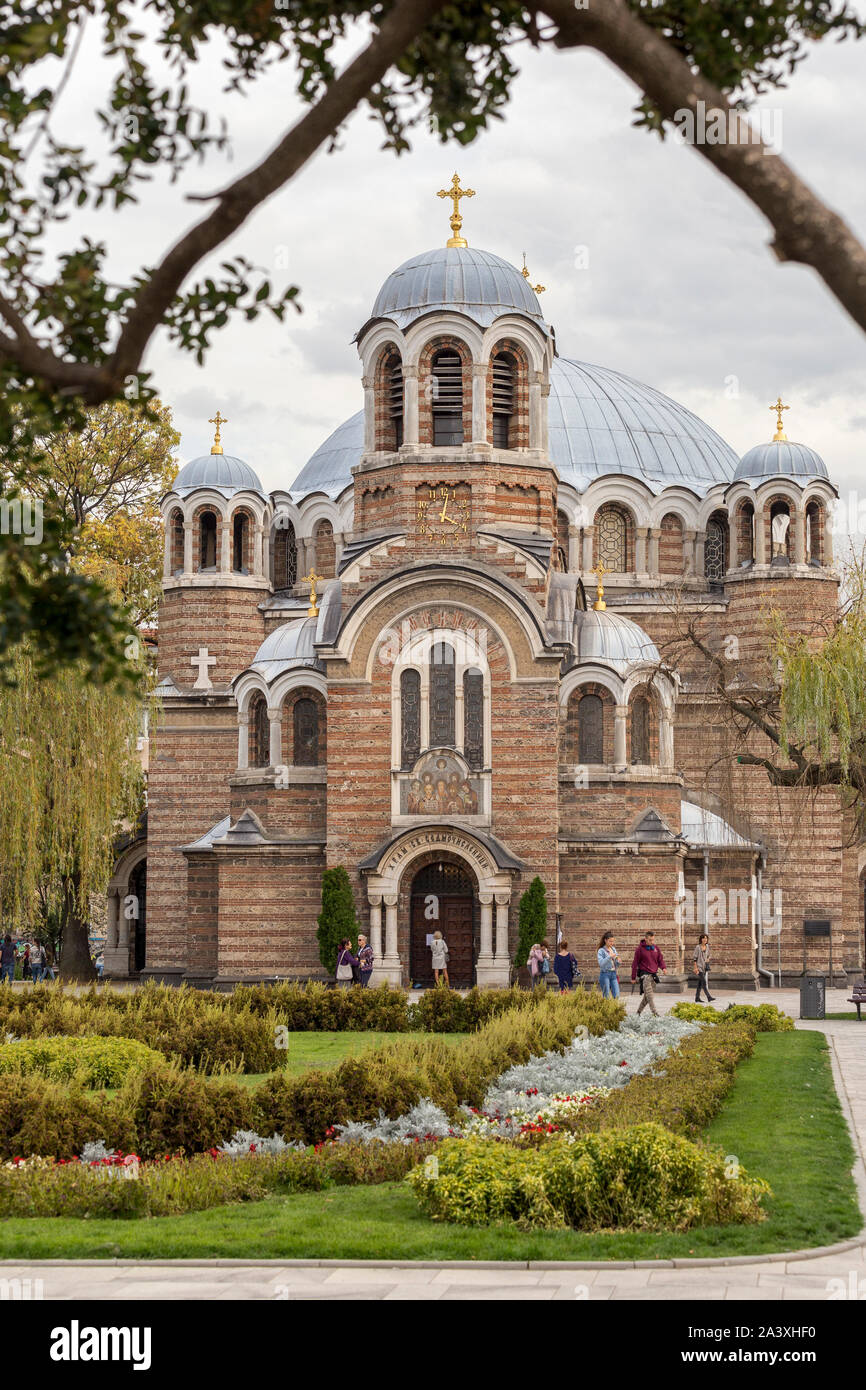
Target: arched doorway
{"x": 443, "y": 898}
{"x": 138, "y": 889}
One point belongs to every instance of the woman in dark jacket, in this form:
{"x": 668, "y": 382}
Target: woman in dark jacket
{"x": 564, "y": 965}
{"x": 347, "y": 965}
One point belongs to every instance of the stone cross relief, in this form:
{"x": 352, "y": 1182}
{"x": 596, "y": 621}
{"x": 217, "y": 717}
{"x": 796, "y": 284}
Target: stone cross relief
{"x": 203, "y": 661}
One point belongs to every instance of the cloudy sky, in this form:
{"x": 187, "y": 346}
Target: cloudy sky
{"x": 679, "y": 291}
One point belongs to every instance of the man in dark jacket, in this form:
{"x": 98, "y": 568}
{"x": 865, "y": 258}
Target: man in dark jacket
{"x": 648, "y": 961}
{"x": 7, "y": 960}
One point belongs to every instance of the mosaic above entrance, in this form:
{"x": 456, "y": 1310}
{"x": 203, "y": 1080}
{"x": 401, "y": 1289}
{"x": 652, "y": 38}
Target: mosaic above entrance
{"x": 440, "y": 785}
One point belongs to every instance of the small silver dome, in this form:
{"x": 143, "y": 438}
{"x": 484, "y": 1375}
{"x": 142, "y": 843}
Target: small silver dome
{"x": 289, "y": 645}
{"x": 222, "y": 471}
{"x": 612, "y": 640}
{"x": 460, "y": 279}
{"x": 781, "y": 459}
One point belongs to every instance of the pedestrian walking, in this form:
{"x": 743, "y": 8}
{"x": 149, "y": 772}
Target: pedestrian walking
{"x": 347, "y": 964}
{"x": 25, "y": 963}
{"x": 565, "y": 967}
{"x": 7, "y": 960}
{"x": 608, "y": 964}
{"x": 539, "y": 964}
{"x": 37, "y": 961}
{"x": 701, "y": 959}
{"x": 648, "y": 962}
{"x": 439, "y": 957}
{"x": 365, "y": 960}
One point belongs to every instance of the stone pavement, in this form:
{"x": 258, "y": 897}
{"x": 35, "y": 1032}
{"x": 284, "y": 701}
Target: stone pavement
{"x": 837, "y": 1272}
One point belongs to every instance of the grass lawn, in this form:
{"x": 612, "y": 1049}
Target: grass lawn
{"x": 308, "y": 1050}
{"x": 851, "y": 1015}
{"x": 782, "y": 1120}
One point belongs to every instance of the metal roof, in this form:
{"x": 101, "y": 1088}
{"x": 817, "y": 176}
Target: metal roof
{"x": 781, "y": 459}
{"x": 460, "y": 280}
{"x": 222, "y": 471}
{"x": 600, "y": 422}
{"x": 705, "y": 830}
{"x": 612, "y": 640}
{"x": 289, "y": 645}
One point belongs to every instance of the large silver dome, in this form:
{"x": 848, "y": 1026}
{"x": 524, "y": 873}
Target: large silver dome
{"x": 601, "y": 423}
{"x": 458, "y": 279}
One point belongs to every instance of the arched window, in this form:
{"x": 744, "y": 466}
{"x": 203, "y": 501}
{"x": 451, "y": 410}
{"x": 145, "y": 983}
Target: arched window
{"x": 447, "y": 372}
{"x": 239, "y": 535}
{"x": 410, "y": 718}
{"x": 326, "y": 551}
{"x": 746, "y": 533}
{"x": 285, "y": 555}
{"x": 207, "y": 541}
{"x": 814, "y": 534}
{"x": 716, "y": 550}
{"x": 780, "y": 533}
{"x": 394, "y": 398}
{"x": 259, "y": 733}
{"x": 590, "y": 742}
{"x": 640, "y": 729}
{"x": 504, "y": 384}
{"x": 611, "y": 542}
{"x": 305, "y": 729}
{"x": 473, "y": 717}
{"x": 441, "y": 695}
{"x": 176, "y": 536}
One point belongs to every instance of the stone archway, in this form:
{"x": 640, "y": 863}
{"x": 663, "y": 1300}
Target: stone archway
{"x": 488, "y": 864}
{"x": 443, "y": 897}
{"x": 125, "y": 940}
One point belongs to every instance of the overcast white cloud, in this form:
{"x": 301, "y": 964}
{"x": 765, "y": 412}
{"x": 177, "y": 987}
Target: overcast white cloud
{"x": 680, "y": 289}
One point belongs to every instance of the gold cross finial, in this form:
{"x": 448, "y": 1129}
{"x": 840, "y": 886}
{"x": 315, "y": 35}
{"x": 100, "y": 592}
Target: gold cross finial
{"x": 600, "y": 605}
{"x": 455, "y": 193}
{"x": 780, "y": 434}
{"x": 312, "y": 579}
{"x": 536, "y": 289}
{"x": 217, "y": 420}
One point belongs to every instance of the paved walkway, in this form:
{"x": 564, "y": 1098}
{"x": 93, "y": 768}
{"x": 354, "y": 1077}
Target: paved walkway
{"x": 839, "y": 1272}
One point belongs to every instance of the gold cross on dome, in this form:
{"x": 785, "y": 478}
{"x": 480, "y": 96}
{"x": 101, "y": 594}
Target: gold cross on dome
{"x": 455, "y": 193}
{"x": 312, "y": 579}
{"x": 600, "y": 605}
{"x": 780, "y": 433}
{"x": 536, "y": 289}
{"x": 217, "y": 420}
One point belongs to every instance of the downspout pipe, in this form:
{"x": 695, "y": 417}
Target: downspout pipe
{"x": 759, "y": 918}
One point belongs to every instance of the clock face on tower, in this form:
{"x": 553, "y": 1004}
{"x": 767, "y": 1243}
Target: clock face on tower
{"x": 442, "y": 514}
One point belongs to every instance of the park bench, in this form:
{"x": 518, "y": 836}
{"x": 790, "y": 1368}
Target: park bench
{"x": 858, "y": 998}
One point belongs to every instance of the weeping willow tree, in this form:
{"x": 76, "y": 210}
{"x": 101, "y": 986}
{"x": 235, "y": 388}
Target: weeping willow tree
{"x": 70, "y": 775}
{"x": 798, "y": 711}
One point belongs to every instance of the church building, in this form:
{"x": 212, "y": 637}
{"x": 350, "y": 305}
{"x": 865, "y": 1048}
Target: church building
{"x": 443, "y": 657}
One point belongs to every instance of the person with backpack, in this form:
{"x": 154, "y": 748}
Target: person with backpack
{"x": 347, "y": 964}
{"x": 565, "y": 967}
{"x": 439, "y": 957}
{"x": 365, "y": 960}
{"x": 701, "y": 959}
{"x": 608, "y": 961}
{"x": 648, "y": 962}
{"x": 37, "y": 961}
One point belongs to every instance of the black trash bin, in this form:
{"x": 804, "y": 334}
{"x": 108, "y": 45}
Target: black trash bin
{"x": 812, "y": 996}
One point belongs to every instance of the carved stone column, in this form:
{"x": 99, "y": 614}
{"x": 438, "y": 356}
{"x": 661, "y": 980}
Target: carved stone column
{"x": 653, "y": 550}
{"x": 798, "y": 522}
{"x": 640, "y": 550}
{"x": 760, "y": 524}
{"x": 479, "y": 403}
{"x": 224, "y": 560}
{"x": 620, "y": 737}
{"x": 573, "y": 549}
{"x": 410, "y": 404}
{"x": 485, "y": 966}
{"x": 693, "y": 551}
{"x": 391, "y": 965}
{"x": 376, "y": 937}
{"x": 187, "y": 549}
{"x": 275, "y": 754}
{"x": 369, "y": 414}
{"x": 243, "y": 739}
{"x": 588, "y": 537}
{"x": 502, "y": 955}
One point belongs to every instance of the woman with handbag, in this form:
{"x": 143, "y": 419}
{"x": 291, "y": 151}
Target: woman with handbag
{"x": 347, "y": 965}
{"x": 565, "y": 968}
{"x": 439, "y": 957}
{"x": 701, "y": 959}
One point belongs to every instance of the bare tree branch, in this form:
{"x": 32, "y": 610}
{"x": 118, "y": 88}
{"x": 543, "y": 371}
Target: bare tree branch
{"x": 805, "y": 230}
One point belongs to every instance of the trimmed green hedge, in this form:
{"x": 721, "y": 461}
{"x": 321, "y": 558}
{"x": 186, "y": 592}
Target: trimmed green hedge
{"x": 766, "y": 1018}
{"x": 93, "y": 1062}
{"x": 643, "y": 1178}
{"x": 164, "y": 1109}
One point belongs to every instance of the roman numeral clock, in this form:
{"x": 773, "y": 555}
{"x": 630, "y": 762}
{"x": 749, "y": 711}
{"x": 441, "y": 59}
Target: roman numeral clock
{"x": 442, "y": 514}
